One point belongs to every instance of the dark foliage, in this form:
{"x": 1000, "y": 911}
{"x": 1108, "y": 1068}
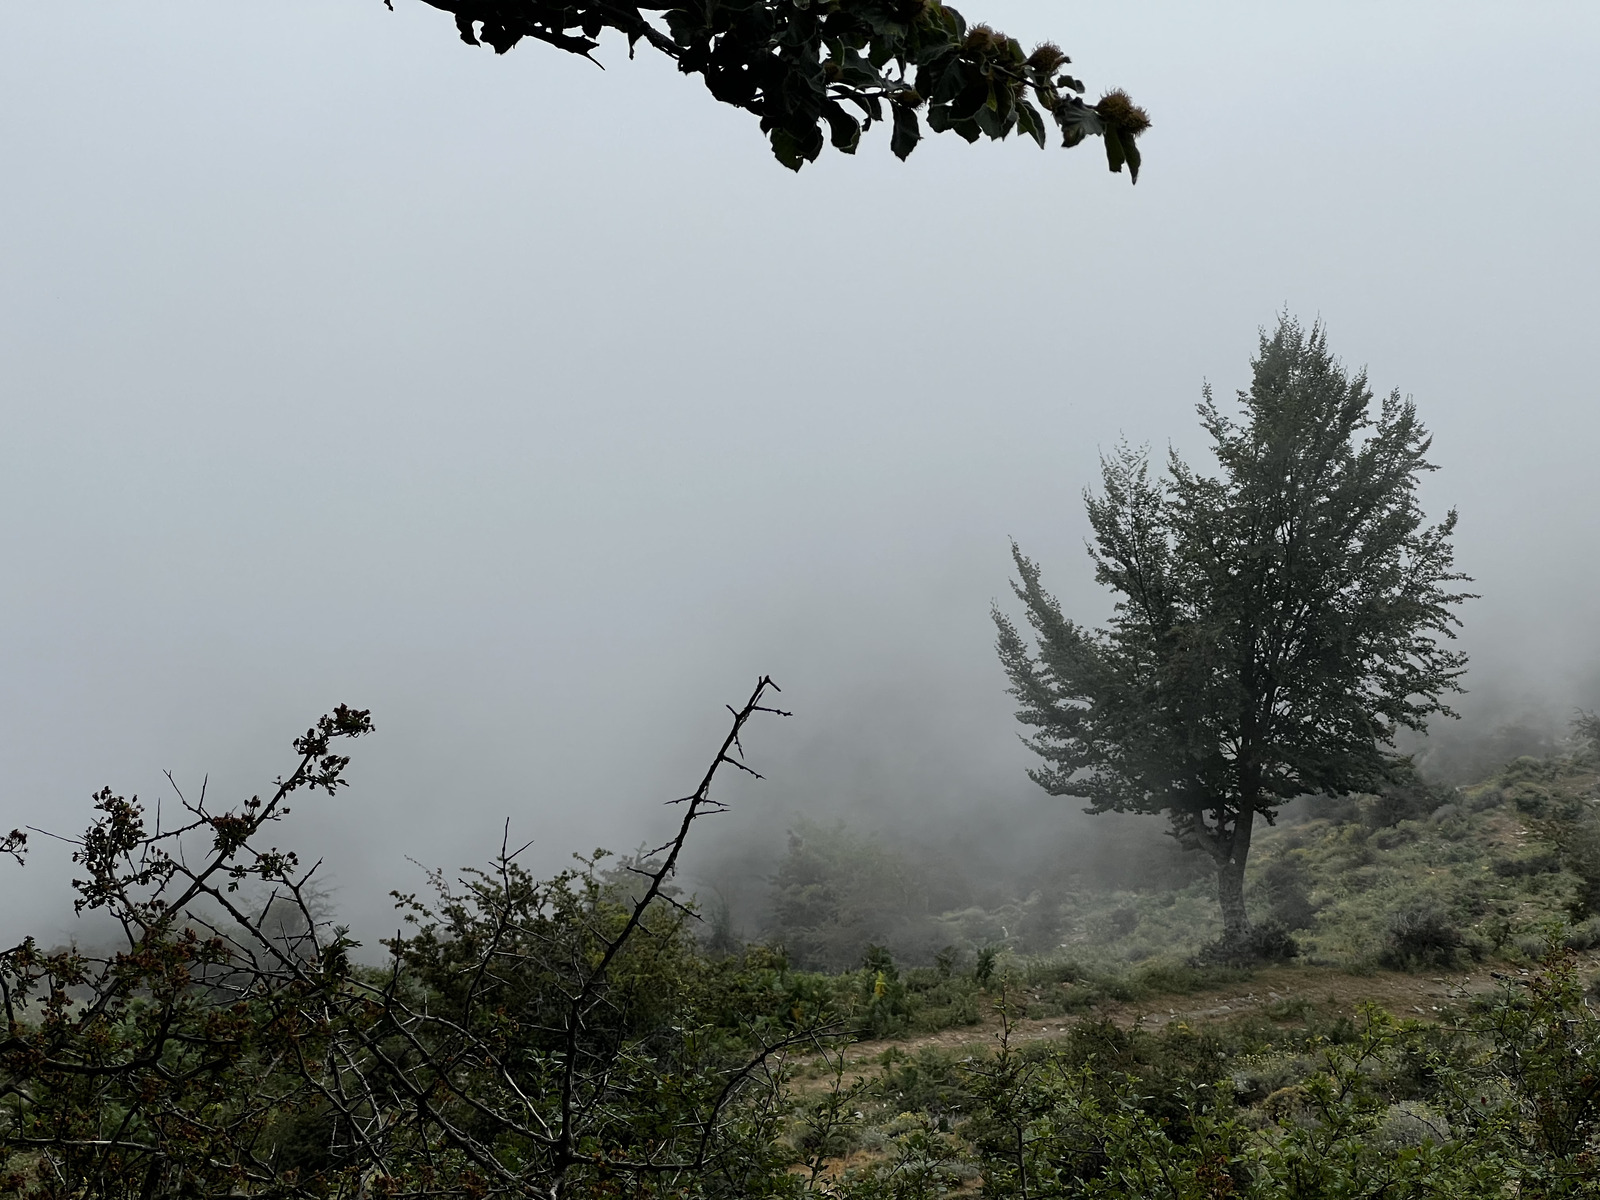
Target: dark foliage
{"x": 1284, "y": 887}
{"x": 1574, "y": 826}
{"x": 1529, "y": 864}
{"x": 1546, "y": 1058}
{"x": 528, "y": 1038}
{"x": 1276, "y": 624}
{"x": 151, "y": 1070}
{"x": 1405, "y": 796}
{"x": 1422, "y": 935}
{"x": 1264, "y": 941}
{"x": 837, "y": 892}
{"x": 815, "y": 71}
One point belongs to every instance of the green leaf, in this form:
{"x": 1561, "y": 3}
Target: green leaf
{"x": 990, "y": 122}
{"x": 786, "y": 150}
{"x": 1030, "y": 122}
{"x": 1005, "y": 107}
{"x": 1131, "y": 149}
{"x": 857, "y": 70}
{"x": 974, "y": 95}
{"x": 844, "y": 130}
{"x": 810, "y": 141}
{"x": 949, "y": 85}
{"x": 932, "y": 67}
{"x": 967, "y": 129}
{"x": 1115, "y": 156}
{"x": 907, "y": 132}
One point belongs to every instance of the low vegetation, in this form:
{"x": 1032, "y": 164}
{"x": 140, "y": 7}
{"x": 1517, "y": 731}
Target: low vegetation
{"x": 1422, "y": 1025}
{"x": 1495, "y": 1097}
{"x": 1419, "y": 877}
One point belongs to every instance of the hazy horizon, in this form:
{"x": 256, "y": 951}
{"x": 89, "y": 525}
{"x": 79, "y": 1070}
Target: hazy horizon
{"x": 536, "y": 409}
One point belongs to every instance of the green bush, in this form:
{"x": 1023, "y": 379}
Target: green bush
{"x": 1578, "y": 842}
{"x": 1506, "y": 1104}
{"x": 1542, "y": 863}
{"x": 931, "y": 1081}
{"x": 1421, "y": 935}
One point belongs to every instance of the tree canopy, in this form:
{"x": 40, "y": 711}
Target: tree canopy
{"x": 1276, "y": 624}
{"x": 828, "y": 70}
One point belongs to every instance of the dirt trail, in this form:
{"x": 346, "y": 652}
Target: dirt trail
{"x": 1271, "y": 991}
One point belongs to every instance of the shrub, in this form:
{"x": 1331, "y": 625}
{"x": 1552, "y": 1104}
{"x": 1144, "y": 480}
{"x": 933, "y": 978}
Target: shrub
{"x": 835, "y": 893}
{"x": 1282, "y": 881}
{"x": 881, "y": 994}
{"x": 1421, "y": 935}
{"x": 931, "y": 1081}
{"x": 1533, "y": 864}
{"x": 1052, "y": 971}
{"x": 1579, "y": 845}
{"x": 983, "y": 969}
{"x": 1409, "y": 798}
{"x": 1118, "y": 923}
{"x": 939, "y": 1000}
{"x": 1271, "y": 942}
{"x": 1583, "y": 936}
{"x": 1265, "y": 941}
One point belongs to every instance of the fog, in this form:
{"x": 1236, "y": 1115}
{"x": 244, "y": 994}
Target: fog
{"x": 538, "y": 410}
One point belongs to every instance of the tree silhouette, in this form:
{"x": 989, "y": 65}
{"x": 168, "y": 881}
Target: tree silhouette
{"x": 1275, "y": 624}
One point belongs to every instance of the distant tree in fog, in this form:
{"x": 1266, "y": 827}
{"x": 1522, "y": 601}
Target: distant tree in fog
{"x": 1276, "y": 624}
{"x": 836, "y": 892}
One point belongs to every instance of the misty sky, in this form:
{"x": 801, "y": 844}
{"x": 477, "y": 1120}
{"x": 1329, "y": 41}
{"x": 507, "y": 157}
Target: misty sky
{"x": 537, "y": 409}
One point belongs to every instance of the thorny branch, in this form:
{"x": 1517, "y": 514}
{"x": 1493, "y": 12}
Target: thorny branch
{"x": 518, "y": 1035}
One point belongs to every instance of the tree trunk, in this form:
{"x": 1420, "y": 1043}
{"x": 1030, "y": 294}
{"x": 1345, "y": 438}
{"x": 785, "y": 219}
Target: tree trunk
{"x": 1230, "y": 893}
{"x": 1230, "y": 882}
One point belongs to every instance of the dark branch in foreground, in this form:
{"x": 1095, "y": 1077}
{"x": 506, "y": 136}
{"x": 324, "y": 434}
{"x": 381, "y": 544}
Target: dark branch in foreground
{"x": 815, "y": 71}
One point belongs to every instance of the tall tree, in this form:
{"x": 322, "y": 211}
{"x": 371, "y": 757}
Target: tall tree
{"x": 1275, "y": 624}
{"x": 828, "y": 70}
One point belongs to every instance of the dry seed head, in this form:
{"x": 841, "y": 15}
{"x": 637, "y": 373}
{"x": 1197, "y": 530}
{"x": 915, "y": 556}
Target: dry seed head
{"x": 982, "y": 37}
{"x": 1117, "y": 109}
{"x": 1047, "y": 56}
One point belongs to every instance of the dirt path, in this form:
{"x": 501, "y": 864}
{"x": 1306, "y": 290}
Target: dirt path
{"x": 1281, "y": 992}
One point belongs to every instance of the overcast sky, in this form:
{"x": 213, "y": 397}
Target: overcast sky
{"x": 537, "y": 409}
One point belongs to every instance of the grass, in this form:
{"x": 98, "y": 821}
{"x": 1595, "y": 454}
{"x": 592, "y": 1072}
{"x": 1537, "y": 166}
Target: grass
{"x": 1435, "y": 913}
{"x": 1479, "y": 876}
